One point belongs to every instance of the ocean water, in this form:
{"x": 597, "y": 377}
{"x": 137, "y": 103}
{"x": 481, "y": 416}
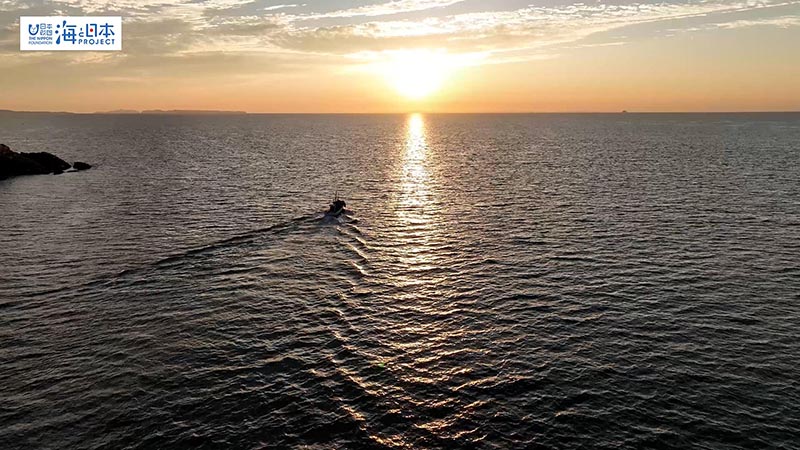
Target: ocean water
{"x": 500, "y": 281}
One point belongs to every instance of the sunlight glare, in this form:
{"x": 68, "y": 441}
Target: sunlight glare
{"x": 417, "y": 74}
{"x": 416, "y": 175}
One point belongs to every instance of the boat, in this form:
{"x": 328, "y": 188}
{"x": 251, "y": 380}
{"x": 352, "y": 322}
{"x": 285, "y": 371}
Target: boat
{"x": 337, "y": 207}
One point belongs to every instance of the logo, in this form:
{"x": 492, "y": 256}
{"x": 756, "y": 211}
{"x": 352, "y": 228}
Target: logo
{"x": 56, "y": 33}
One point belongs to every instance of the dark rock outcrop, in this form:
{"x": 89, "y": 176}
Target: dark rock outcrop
{"x": 13, "y": 163}
{"x": 81, "y": 166}
{"x": 50, "y": 162}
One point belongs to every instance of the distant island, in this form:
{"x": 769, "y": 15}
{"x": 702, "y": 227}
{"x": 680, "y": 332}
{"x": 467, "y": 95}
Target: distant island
{"x": 133, "y": 111}
{"x": 173, "y": 111}
{"x": 11, "y": 111}
{"x": 191, "y": 111}
{"x": 119, "y": 111}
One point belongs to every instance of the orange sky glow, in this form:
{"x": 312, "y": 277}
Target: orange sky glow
{"x": 415, "y": 55}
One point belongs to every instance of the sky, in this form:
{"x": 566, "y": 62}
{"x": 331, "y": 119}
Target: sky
{"x": 415, "y": 55}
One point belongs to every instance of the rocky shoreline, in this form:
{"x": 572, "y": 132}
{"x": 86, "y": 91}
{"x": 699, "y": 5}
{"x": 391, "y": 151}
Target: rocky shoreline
{"x": 39, "y": 163}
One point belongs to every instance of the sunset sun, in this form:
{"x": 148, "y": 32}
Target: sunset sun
{"x": 417, "y": 74}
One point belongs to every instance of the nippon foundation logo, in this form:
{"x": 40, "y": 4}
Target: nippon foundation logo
{"x": 58, "y": 33}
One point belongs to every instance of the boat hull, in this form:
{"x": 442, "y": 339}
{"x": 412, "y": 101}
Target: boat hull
{"x": 336, "y": 213}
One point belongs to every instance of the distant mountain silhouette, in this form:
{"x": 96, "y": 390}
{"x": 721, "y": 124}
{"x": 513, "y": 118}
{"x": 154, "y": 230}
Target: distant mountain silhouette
{"x": 189, "y": 111}
{"x": 119, "y": 111}
{"x": 11, "y": 111}
{"x": 133, "y": 111}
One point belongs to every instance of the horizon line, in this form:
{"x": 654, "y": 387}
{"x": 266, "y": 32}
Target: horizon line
{"x": 177, "y": 112}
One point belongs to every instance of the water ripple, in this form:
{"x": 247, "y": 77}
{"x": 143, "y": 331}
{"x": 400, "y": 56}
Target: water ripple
{"x": 525, "y": 281}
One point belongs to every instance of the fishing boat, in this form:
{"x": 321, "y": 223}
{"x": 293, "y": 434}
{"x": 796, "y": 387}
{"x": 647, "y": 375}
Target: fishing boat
{"x": 337, "y": 207}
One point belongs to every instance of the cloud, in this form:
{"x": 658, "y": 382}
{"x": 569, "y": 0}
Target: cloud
{"x": 276, "y": 7}
{"x": 780, "y": 22}
{"x": 496, "y": 31}
{"x": 163, "y": 29}
{"x": 384, "y": 9}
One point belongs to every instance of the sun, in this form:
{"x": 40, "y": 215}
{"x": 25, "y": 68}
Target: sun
{"x": 417, "y": 74}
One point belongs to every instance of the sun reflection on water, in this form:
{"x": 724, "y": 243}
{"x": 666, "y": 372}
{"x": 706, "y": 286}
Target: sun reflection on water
{"x": 410, "y": 296}
{"x": 416, "y": 203}
{"x": 415, "y": 177}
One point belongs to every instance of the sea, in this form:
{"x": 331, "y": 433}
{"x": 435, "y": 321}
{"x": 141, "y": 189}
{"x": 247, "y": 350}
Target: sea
{"x": 520, "y": 281}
